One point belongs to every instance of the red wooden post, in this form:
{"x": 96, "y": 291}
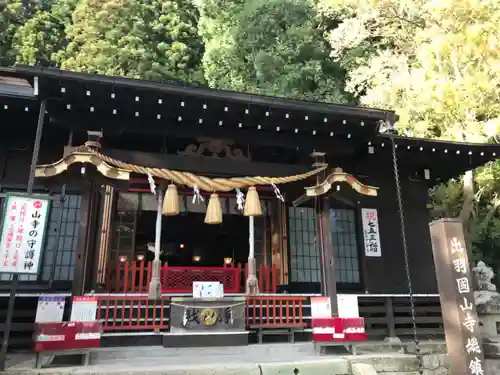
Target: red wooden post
{"x": 134, "y": 275}
{"x": 106, "y": 315}
{"x": 117, "y": 276}
{"x": 164, "y": 275}
{"x": 149, "y": 274}
{"x": 125, "y": 277}
{"x": 238, "y": 278}
{"x": 141, "y": 276}
{"x": 274, "y": 279}
{"x": 260, "y": 278}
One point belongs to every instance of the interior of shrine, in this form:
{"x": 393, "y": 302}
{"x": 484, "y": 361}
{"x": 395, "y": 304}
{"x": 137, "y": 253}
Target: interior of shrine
{"x": 188, "y": 241}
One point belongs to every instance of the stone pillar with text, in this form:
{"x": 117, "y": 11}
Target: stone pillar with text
{"x": 461, "y": 323}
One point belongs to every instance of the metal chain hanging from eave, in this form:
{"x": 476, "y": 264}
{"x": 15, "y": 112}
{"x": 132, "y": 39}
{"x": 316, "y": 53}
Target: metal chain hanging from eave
{"x": 405, "y": 252}
{"x": 205, "y": 183}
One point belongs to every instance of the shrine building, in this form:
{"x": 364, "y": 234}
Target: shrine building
{"x": 338, "y": 183}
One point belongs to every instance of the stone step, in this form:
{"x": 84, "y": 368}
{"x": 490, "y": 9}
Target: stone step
{"x": 252, "y": 351}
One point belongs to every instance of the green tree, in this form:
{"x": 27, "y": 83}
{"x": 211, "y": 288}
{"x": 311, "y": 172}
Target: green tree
{"x": 154, "y": 40}
{"x": 13, "y": 15}
{"x": 437, "y": 64}
{"x": 38, "y": 39}
{"x": 272, "y": 47}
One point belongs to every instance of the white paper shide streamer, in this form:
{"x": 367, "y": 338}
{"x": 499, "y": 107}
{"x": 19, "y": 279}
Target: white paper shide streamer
{"x": 197, "y": 198}
{"x": 278, "y": 193}
{"x": 240, "y": 199}
{"x": 152, "y": 185}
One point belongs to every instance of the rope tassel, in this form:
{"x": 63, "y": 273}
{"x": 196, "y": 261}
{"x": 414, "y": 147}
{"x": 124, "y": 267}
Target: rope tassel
{"x": 214, "y": 210}
{"x": 252, "y": 203}
{"x": 171, "y": 202}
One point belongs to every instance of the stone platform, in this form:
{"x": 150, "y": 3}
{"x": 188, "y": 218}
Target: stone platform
{"x": 267, "y": 359}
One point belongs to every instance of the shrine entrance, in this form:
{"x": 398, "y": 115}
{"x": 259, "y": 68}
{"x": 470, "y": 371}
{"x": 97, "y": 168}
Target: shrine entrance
{"x": 188, "y": 241}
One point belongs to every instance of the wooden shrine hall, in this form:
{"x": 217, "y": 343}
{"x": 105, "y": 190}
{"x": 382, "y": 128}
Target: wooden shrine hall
{"x": 319, "y": 188}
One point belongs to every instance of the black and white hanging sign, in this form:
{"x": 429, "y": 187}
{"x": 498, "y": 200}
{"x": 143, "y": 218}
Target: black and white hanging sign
{"x": 371, "y": 234}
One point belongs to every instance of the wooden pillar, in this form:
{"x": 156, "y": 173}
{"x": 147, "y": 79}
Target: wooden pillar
{"x": 278, "y": 255}
{"x": 82, "y": 279}
{"x": 284, "y": 242}
{"x": 105, "y": 232}
{"x": 391, "y": 323}
{"x": 85, "y": 250}
{"x": 324, "y": 239}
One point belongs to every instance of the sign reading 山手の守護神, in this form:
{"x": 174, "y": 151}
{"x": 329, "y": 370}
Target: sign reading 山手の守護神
{"x": 23, "y": 224}
{"x": 371, "y": 234}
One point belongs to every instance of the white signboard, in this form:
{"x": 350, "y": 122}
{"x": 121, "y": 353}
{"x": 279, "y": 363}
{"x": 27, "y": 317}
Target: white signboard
{"x": 321, "y": 307}
{"x": 370, "y": 232}
{"x": 208, "y": 289}
{"x": 348, "y": 305}
{"x": 50, "y": 309}
{"x": 24, "y": 221}
{"x": 84, "y": 309}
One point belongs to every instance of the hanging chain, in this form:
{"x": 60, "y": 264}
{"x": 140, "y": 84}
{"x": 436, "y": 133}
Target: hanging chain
{"x": 405, "y": 252}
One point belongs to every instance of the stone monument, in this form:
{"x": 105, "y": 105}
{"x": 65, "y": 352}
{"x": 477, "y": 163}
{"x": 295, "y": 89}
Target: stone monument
{"x": 488, "y": 308}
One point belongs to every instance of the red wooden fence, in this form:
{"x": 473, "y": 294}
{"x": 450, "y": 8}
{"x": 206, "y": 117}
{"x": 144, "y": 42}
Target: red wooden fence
{"x": 132, "y": 313}
{"x": 134, "y": 277}
{"x": 275, "y": 311}
{"x": 268, "y": 277}
{"x": 137, "y": 313}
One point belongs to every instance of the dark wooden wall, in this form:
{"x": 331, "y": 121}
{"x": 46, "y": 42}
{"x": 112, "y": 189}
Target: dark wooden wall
{"x": 387, "y": 274}
{"x": 16, "y": 149}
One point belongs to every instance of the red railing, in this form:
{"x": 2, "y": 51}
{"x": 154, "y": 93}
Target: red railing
{"x": 268, "y": 277}
{"x": 180, "y": 279}
{"x": 134, "y": 277}
{"x": 275, "y": 311}
{"x": 137, "y": 313}
{"x": 132, "y": 313}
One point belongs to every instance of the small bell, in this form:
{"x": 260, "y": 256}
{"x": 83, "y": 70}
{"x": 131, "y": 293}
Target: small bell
{"x": 214, "y": 210}
{"x": 171, "y": 201}
{"x": 252, "y": 203}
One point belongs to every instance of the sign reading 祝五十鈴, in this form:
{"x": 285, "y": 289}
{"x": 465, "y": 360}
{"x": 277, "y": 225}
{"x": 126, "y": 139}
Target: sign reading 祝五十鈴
{"x": 24, "y": 221}
{"x": 370, "y": 232}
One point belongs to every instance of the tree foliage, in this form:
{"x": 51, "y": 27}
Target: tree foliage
{"x": 13, "y": 15}
{"x": 437, "y": 65}
{"x": 154, "y": 39}
{"x": 38, "y": 39}
{"x": 272, "y": 47}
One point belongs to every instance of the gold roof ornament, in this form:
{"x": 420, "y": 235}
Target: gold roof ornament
{"x": 81, "y": 155}
{"x": 338, "y": 175}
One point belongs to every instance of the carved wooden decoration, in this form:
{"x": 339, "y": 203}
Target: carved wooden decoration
{"x": 215, "y": 148}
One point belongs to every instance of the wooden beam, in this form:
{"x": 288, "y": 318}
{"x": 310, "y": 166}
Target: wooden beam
{"x": 206, "y": 165}
{"x": 300, "y": 142}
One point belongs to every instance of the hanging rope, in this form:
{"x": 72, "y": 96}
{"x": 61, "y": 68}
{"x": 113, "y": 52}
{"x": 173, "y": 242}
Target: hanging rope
{"x": 405, "y": 252}
{"x": 205, "y": 183}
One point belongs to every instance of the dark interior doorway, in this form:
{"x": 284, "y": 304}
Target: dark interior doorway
{"x": 187, "y": 241}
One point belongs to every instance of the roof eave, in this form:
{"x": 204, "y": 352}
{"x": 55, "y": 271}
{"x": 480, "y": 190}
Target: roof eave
{"x": 29, "y": 72}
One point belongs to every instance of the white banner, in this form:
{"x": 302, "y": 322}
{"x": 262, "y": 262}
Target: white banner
{"x": 24, "y": 222}
{"x": 50, "y": 309}
{"x": 348, "y": 306}
{"x": 84, "y": 309}
{"x": 370, "y": 232}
